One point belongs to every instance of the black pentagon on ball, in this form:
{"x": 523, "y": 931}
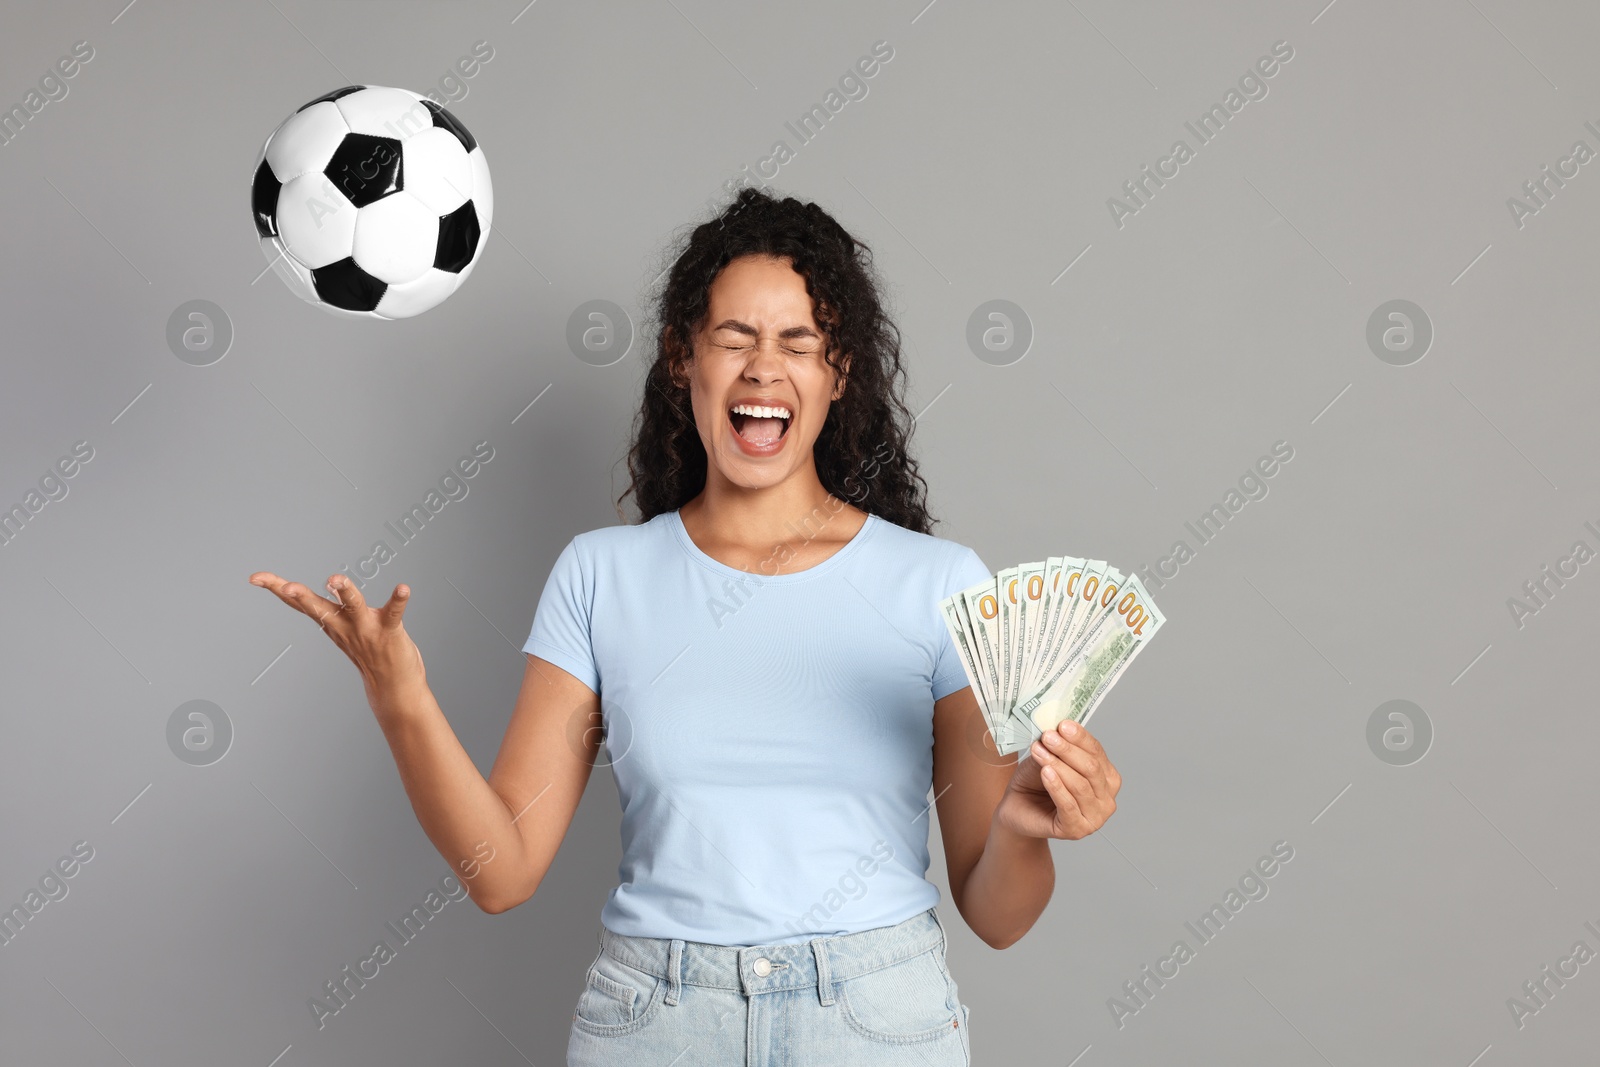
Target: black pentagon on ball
{"x": 345, "y": 285}
{"x": 458, "y": 239}
{"x": 264, "y": 200}
{"x": 366, "y": 168}
{"x": 446, "y": 121}
{"x": 336, "y": 94}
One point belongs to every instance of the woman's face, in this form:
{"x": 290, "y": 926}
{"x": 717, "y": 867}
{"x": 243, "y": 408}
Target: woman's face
{"x": 760, "y": 355}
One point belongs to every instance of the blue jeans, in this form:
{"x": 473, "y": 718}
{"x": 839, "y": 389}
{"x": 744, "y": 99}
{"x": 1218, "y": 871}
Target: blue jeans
{"x": 882, "y": 997}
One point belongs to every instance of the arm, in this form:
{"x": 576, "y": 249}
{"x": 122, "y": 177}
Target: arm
{"x": 997, "y": 817}
{"x": 1000, "y": 881}
{"x": 499, "y": 833}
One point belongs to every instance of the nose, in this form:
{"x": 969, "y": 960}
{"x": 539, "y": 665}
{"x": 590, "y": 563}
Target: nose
{"x": 765, "y": 363}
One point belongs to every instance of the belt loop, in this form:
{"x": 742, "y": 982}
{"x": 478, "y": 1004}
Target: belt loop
{"x": 674, "y": 970}
{"x": 944, "y": 941}
{"x": 819, "y": 949}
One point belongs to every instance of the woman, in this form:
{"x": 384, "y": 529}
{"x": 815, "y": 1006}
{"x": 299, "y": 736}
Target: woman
{"x": 778, "y": 692}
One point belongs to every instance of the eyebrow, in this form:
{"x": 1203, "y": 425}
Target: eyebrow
{"x": 745, "y": 328}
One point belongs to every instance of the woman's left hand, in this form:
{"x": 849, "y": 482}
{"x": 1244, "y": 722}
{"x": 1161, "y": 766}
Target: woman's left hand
{"x": 1066, "y": 787}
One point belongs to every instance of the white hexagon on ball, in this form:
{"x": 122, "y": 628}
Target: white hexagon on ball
{"x": 482, "y": 188}
{"x": 438, "y": 170}
{"x": 396, "y": 238}
{"x": 295, "y": 276}
{"x": 306, "y": 141}
{"x": 414, "y": 297}
{"x": 384, "y": 112}
{"x": 315, "y": 221}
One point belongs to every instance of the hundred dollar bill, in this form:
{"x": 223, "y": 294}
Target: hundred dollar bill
{"x": 1005, "y": 589}
{"x": 1029, "y": 592}
{"x": 1041, "y": 613}
{"x": 1014, "y": 735}
{"x": 1087, "y": 610}
{"x": 1157, "y": 618}
{"x": 1054, "y": 604}
{"x": 1098, "y": 661}
{"x": 1037, "y": 592}
{"x": 981, "y": 609}
{"x": 1093, "y": 604}
{"x": 1042, "y": 642}
{"x": 1078, "y": 582}
{"x": 1013, "y": 624}
{"x": 1099, "y": 597}
{"x": 956, "y": 623}
{"x": 1096, "y": 600}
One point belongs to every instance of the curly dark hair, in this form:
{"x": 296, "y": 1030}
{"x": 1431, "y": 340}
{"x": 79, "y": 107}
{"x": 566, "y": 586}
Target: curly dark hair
{"x": 861, "y": 453}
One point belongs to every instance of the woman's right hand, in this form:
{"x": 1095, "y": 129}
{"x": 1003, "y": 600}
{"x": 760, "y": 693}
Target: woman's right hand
{"x": 375, "y": 639}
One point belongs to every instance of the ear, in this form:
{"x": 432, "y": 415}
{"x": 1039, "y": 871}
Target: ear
{"x": 843, "y": 377}
{"x": 678, "y": 369}
{"x": 676, "y": 373}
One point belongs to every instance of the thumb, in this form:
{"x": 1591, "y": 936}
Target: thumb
{"x": 1028, "y": 772}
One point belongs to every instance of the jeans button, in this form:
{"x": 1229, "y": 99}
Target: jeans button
{"x": 762, "y": 966}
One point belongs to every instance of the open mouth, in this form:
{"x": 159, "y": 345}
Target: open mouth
{"x": 759, "y": 424}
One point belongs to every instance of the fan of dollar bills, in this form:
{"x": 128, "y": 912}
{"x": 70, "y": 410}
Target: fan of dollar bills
{"x": 1042, "y": 642}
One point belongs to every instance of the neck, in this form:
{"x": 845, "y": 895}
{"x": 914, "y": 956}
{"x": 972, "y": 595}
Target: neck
{"x": 796, "y": 509}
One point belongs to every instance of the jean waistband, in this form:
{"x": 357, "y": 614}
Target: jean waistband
{"x": 816, "y": 963}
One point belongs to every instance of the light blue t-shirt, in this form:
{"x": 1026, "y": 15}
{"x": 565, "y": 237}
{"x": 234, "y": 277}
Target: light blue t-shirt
{"x": 771, "y": 734}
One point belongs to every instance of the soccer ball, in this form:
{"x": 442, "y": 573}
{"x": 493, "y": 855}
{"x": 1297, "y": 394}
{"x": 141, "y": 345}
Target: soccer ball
{"x": 372, "y": 202}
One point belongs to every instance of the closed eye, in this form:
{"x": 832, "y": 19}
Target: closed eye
{"x": 789, "y": 349}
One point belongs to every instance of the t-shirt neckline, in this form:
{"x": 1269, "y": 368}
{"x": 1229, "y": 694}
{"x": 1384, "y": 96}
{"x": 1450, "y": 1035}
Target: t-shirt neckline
{"x": 837, "y": 559}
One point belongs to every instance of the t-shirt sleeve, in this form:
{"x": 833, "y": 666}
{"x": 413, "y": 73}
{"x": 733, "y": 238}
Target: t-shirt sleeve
{"x": 561, "y": 622}
{"x": 948, "y": 674}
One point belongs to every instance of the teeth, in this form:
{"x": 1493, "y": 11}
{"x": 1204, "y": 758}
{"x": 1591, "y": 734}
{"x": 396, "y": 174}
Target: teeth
{"x": 761, "y": 411}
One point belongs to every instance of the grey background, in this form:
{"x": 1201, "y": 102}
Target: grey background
{"x": 1228, "y": 314}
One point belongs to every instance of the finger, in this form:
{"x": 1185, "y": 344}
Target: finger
{"x": 1076, "y": 783}
{"x": 1113, "y": 778}
{"x": 1092, "y": 767}
{"x": 391, "y": 613}
{"x": 1084, "y": 738}
{"x": 1068, "y": 813}
{"x": 297, "y": 596}
{"x": 351, "y": 602}
{"x": 1079, "y": 734}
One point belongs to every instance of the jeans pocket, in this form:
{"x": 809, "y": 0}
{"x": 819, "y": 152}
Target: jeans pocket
{"x": 906, "y": 1002}
{"x": 617, "y": 997}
